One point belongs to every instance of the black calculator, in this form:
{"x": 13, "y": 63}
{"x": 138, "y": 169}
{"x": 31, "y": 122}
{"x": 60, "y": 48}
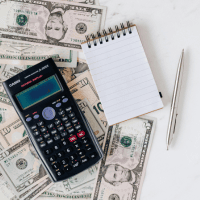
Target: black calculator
{"x": 57, "y": 128}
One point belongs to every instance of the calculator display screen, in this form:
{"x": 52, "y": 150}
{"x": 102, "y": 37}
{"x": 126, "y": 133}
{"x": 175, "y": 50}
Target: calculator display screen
{"x": 38, "y": 92}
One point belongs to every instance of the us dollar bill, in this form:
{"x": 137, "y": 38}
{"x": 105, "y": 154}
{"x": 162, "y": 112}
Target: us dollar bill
{"x": 5, "y": 190}
{"x": 56, "y": 24}
{"x": 122, "y": 169}
{"x": 11, "y": 131}
{"x": 93, "y": 119}
{"x": 75, "y": 183}
{"x": 82, "y": 193}
{"x": 70, "y": 74}
{"x": 91, "y": 2}
{"x": 83, "y": 87}
{"x": 17, "y": 53}
{"x": 22, "y": 169}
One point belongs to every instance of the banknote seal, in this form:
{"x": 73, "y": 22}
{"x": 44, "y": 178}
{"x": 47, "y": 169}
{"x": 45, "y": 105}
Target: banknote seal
{"x": 21, "y": 163}
{"x": 21, "y": 20}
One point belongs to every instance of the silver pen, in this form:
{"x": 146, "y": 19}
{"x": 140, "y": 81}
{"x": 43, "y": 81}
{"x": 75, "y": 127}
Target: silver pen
{"x": 175, "y": 98}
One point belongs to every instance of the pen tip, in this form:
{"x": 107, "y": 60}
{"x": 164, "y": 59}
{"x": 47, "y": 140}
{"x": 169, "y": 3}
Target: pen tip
{"x": 183, "y": 51}
{"x": 167, "y": 147}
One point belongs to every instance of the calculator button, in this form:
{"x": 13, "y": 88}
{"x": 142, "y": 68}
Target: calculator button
{"x": 33, "y": 127}
{"x": 48, "y": 151}
{"x": 93, "y": 155}
{"x": 65, "y": 100}
{"x": 64, "y": 161}
{"x": 81, "y": 134}
{"x": 88, "y": 148}
{"x": 55, "y": 166}
{"x": 36, "y": 133}
{"x": 74, "y": 121}
{"x": 60, "y": 173}
{"x": 61, "y": 112}
{"x": 81, "y": 152}
{"x": 48, "y": 113}
{"x": 36, "y": 116}
{"x": 61, "y": 128}
{"x": 73, "y": 157}
{"x": 63, "y": 134}
{"x": 71, "y": 115}
{"x": 58, "y": 105}
{"x": 46, "y": 135}
{"x": 68, "y": 109}
{"x": 60, "y": 154}
{"x": 64, "y": 119}
{"x": 56, "y": 147}
{"x": 53, "y": 132}
{"x": 76, "y": 164}
{"x": 71, "y": 130}
{"x": 57, "y": 137}
{"x": 64, "y": 143}
{"x": 42, "y": 145}
{"x": 78, "y": 127}
{"x": 68, "y": 168}
{"x": 40, "y": 123}
{"x": 69, "y": 149}
{"x": 57, "y": 122}
{"x": 72, "y": 138}
{"x": 52, "y": 158}
{"x": 68, "y": 124}
{"x": 85, "y": 141}
{"x": 28, "y": 119}
{"x": 84, "y": 160}
{"x": 77, "y": 145}
{"x": 39, "y": 139}
{"x": 49, "y": 141}
{"x": 50, "y": 126}
{"x": 43, "y": 129}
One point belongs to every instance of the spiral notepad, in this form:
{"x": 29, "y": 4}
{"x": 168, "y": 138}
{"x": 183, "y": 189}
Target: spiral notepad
{"x": 121, "y": 74}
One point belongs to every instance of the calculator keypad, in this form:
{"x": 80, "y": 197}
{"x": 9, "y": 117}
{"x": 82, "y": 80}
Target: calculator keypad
{"x": 62, "y": 139}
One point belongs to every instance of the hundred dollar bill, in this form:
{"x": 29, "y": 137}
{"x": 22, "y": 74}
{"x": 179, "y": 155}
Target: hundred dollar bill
{"x": 93, "y": 119}
{"x": 16, "y": 53}
{"x": 56, "y": 24}
{"x": 83, "y": 87}
{"x": 122, "y": 170}
{"x": 70, "y": 74}
{"x": 21, "y": 167}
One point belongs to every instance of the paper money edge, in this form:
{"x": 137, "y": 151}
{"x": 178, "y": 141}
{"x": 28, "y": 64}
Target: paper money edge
{"x": 106, "y": 147}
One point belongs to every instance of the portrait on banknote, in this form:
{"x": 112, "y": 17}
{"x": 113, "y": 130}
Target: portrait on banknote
{"x": 126, "y": 151}
{"x": 56, "y": 27}
{"x": 59, "y": 23}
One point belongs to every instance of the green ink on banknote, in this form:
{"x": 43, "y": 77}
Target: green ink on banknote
{"x": 22, "y": 20}
{"x": 126, "y": 141}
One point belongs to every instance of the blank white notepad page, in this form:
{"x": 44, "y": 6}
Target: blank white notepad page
{"x": 122, "y": 77}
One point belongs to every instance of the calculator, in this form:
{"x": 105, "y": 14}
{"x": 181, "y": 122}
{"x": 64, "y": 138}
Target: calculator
{"x": 57, "y": 129}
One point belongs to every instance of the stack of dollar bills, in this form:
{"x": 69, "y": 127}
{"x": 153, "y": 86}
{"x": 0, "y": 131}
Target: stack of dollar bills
{"x": 32, "y": 31}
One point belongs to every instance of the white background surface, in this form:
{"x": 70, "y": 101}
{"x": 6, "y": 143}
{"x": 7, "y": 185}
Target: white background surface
{"x": 165, "y": 28}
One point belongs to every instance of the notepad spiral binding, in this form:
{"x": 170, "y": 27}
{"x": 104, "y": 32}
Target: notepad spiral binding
{"x": 92, "y": 37}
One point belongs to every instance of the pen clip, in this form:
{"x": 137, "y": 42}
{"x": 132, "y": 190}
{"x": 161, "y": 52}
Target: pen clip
{"x": 175, "y": 124}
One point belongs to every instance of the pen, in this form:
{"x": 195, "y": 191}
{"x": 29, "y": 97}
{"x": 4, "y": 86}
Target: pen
{"x": 174, "y": 104}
